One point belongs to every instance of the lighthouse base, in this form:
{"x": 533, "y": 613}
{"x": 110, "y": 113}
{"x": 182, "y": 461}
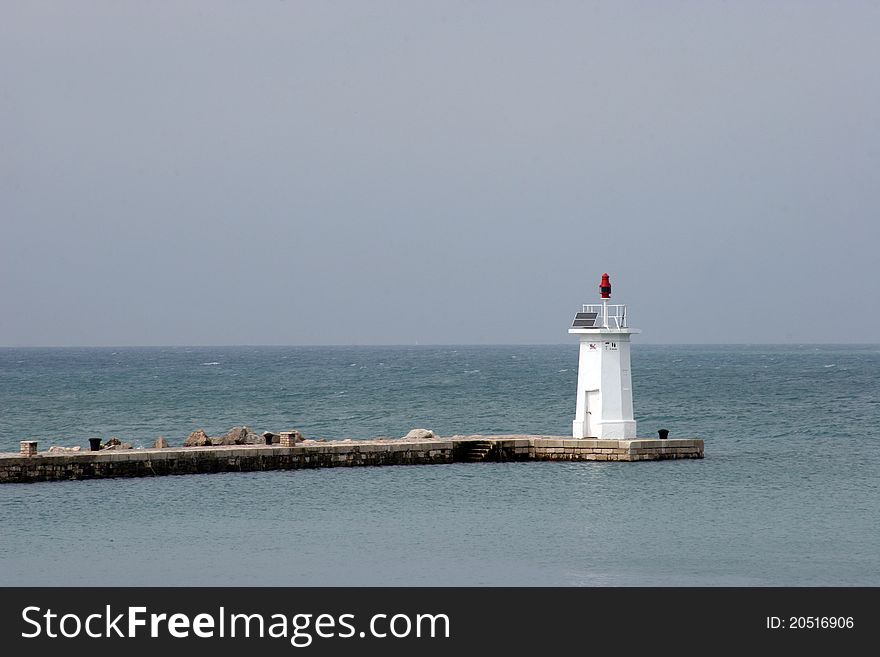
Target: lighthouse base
{"x": 608, "y": 430}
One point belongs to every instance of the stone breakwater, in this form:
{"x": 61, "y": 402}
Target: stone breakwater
{"x": 62, "y": 466}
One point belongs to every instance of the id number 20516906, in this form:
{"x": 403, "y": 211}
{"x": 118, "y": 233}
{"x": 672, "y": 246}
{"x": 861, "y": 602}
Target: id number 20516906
{"x": 810, "y": 623}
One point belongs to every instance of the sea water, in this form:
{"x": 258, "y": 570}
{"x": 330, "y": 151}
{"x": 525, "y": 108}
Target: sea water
{"x": 788, "y": 494}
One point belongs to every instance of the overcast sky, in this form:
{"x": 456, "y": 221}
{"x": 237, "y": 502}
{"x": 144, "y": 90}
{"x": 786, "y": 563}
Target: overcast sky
{"x": 437, "y": 172}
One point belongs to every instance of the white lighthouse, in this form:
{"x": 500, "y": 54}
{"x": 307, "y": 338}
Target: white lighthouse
{"x": 604, "y": 390}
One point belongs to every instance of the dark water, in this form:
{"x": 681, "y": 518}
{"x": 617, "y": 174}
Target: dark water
{"x": 788, "y": 494}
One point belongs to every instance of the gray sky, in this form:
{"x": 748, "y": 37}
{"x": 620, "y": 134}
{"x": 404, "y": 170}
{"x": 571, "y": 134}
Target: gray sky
{"x": 437, "y": 172}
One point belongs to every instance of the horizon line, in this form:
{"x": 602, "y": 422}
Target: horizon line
{"x": 417, "y": 344}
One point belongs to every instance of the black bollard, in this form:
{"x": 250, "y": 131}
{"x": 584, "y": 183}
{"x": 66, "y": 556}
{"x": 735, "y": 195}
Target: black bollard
{"x": 664, "y": 433}
{"x": 95, "y": 444}
{"x": 268, "y": 438}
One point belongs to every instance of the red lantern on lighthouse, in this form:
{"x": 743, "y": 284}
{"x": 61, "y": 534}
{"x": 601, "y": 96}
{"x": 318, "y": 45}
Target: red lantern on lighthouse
{"x": 605, "y": 287}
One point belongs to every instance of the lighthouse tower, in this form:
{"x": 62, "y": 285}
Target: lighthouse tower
{"x": 604, "y": 390}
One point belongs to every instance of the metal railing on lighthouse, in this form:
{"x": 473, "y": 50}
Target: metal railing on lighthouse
{"x": 600, "y": 315}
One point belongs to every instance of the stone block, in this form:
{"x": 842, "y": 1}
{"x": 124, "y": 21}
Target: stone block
{"x": 290, "y": 438}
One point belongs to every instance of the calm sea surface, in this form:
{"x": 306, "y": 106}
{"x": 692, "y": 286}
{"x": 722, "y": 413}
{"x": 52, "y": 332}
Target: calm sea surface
{"x": 788, "y": 494}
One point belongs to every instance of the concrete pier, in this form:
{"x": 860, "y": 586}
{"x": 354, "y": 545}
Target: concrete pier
{"x": 45, "y": 466}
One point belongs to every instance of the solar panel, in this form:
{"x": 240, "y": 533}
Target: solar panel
{"x": 585, "y": 320}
